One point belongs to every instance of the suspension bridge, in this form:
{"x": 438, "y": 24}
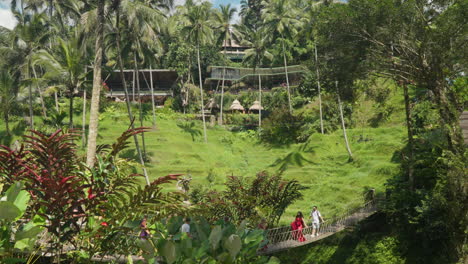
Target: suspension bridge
{"x": 283, "y": 238}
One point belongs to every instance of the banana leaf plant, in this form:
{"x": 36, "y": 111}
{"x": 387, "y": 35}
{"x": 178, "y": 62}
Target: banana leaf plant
{"x": 223, "y": 243}
{"x": 16, "y": 235}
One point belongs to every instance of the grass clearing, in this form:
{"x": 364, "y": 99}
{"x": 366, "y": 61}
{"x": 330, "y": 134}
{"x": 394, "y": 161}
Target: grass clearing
{"x": 321, "y": 164}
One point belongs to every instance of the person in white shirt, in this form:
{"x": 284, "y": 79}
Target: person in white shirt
{"x": 186, "y": 227}
{"x": 316, "y": 220}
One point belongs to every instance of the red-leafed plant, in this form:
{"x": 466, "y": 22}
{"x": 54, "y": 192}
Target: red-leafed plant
{"x": 68, "y": 194}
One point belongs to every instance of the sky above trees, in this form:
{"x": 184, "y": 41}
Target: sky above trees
{"x": 7, "y": 19}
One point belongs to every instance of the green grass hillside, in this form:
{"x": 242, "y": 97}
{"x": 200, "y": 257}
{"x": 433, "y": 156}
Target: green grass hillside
{"x": 320, "y": 164}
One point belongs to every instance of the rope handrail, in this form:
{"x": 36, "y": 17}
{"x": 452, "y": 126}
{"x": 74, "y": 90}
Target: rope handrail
{"x": 282, "y": 238}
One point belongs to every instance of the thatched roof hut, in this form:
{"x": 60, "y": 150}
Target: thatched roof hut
{"x": 256, "y": 106}
{"x": 212, "y": 104}
{"x": 236, "y": 106}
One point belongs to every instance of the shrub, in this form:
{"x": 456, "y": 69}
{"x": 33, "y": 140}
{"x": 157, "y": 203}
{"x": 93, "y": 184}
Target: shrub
{"x": 265, "y": 196}
{"x": 282, "y": 127}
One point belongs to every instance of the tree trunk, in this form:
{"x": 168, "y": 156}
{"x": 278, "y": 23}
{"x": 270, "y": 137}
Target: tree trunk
{"x": 7, "y": 121}
{"x": 127, "y": 98}
{"x": 97, "y": 84}
{"x": 287, "y": 77}
{"x": 222, "y": 88}
{"x": 31, "y": 112}
{"x": 137, "y": 74}
{"x": 343, "y": 123}
{"x": 83, "y": 132}
{"x": 44, "y": 111}
{"x": 70, "y": 111}
{"x": 152, "y": 97}
{"x": 56, "y": 101}
{"x": 260, "y": 101}
{"x": 319, "y": 88}
{"x": 409, "y": 125}
{"x": 201, "y": 93}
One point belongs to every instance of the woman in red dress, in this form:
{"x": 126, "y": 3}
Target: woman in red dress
{"x": 297, "y": 227}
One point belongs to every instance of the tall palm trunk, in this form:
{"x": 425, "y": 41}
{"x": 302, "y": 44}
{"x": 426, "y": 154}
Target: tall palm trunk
{"x": 409, "y": 125}
{"x": 222, "y": 86}
{"x": 319, "y": 88}
{"x": 83, "y": 127}
{"x": 44, "y": 111}
{"x": 201, "y": 93}
{"x": 7, "y": 122}
{"x": 152, "y": 97}
{"x": 127, "y": 97}
{"x": 343, "y": 123}
{"x": 287, "y": 77}
{"x": 260, "y": 101}
{"x": 70, "y": 110}
{"x": 31, "y": 112}
{"x": 137, "y": 74}
{"x": 56, "y": 101}
{"x": 97, "y": 84}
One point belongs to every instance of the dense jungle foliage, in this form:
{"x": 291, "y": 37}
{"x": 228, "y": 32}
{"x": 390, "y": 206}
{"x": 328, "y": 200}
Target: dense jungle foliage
{"x": 377, "y": 106}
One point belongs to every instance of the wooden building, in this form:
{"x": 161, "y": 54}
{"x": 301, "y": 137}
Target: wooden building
{"x": 161, "y": 81}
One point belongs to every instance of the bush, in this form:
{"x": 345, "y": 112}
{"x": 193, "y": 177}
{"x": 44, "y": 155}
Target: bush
{"x": 282, "y": 127}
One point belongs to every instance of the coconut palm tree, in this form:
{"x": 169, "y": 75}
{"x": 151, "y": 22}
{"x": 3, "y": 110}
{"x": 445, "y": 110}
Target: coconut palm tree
{"x": 97, "y": 84}
{"x": 142, "y": 25}
{"x": 223, "y": 18}
{"x": 255, "y": 56}
{"x": 281, "y": 18}
{"x": 197, "y": 27}
{"x": 64, "y": 65}
{"x": 310, "y": 32}
{"x": 8, "y": 90}
{"x": 27, "y": 37}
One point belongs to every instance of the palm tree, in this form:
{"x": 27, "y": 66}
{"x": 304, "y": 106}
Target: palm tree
{"x": 27, "y": 37}
{"x": 64, "y": 65}
{"x": 311, "y": 33}
{"x": 7, "y": 96}
{"x": 197, "y": 28}
{"x": 280, "y": 17}
{"x": 223, "y": 19}
{"x": 97, "y": 84}
{"x": 142, "y": 24}
{"x": 343, "y": 122}
{"x": 255, "y": 56}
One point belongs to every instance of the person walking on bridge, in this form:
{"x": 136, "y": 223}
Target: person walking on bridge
{"x": 316, "y": 220}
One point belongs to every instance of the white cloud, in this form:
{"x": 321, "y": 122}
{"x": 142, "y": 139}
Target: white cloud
{"x": 7, "y": 19}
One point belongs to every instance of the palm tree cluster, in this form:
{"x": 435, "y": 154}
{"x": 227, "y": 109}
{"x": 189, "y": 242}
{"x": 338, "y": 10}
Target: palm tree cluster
{"x": 58, "y": 47}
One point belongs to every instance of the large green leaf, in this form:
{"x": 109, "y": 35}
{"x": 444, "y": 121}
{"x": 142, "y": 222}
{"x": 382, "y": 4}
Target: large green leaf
{"x": 13, "y": 191}
{"x": 254, "y": 236}
{"x": 29, "y": 231}
{"x": 24, "y": 244}
{"x": 17, "y": 196}
{"x": 9, "y": 211}
{"x": 274, "y": 260}
{"x": 233, "y": 244}
{"x": 215, "y": 236}
{"x": 169, "y": 252}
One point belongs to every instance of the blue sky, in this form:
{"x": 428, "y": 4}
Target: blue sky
{"x": 7, "y": 20}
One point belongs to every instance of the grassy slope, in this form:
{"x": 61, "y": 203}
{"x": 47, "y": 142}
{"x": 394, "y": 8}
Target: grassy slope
{"x": 334, "y": 183}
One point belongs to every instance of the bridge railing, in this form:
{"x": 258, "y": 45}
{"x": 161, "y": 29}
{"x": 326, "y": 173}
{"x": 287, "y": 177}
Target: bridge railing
{"x": 289, "y": 238}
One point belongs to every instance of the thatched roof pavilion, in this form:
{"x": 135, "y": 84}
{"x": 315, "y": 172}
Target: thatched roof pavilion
{"x": 256, "y": 106}
{"x": 236, "y": 106}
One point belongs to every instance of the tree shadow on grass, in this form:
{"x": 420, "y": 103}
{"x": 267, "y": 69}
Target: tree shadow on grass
{"x": 132, "y": 154}
{"x": 294, "y": 158}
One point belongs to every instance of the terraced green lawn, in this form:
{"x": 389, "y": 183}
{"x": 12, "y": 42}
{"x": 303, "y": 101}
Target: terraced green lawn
{"x": 334, "y": 183}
